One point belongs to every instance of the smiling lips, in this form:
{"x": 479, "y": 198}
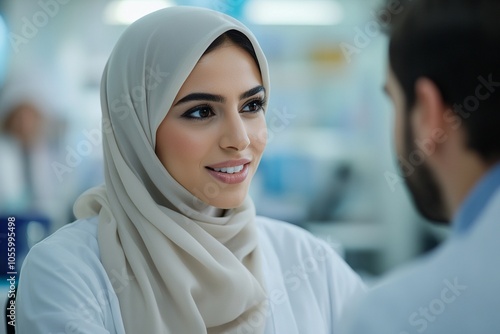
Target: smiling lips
{"x": 230, "y": 172}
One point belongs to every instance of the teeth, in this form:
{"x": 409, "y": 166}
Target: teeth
{"x": 230, "y": 170}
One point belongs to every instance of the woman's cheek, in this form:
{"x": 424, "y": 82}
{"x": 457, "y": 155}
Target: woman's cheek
{"x": 260, "y": 135}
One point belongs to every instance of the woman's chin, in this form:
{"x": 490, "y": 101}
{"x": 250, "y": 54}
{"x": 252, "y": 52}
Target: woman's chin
{"x": 228, "y": 201}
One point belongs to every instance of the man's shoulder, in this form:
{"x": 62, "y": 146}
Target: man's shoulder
{"x": 438, "y": 292}
{"x": 406, "y": 300}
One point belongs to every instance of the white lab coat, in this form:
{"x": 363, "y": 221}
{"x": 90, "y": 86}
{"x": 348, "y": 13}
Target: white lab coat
{"x": 64, "y": 288}
{"x": 453, "y": 290}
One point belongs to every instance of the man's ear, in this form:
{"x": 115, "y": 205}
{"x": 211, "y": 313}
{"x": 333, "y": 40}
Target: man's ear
{"x": 428, "y": 117}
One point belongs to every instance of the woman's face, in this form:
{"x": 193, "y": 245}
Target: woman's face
{"x": 213, "y": 136}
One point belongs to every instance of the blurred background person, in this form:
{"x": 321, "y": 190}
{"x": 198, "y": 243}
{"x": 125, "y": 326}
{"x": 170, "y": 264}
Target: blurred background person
{"x": 32, "y": 137}
{"x": 41, "y": 170}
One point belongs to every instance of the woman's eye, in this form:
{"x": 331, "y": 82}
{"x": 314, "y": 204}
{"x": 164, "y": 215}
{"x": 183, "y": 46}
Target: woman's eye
{"x": 253, "y": 106}
{"x": 199, "y": 113}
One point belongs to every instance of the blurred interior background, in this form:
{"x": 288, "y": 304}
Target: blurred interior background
{"x": 328, "y": 167}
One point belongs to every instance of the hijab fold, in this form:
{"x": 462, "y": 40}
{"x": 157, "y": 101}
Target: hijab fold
{"x": 186, "y": 272}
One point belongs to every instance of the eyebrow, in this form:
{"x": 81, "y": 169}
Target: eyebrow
{"x": 252, "y": 92}
{"x": 218, "y": 98}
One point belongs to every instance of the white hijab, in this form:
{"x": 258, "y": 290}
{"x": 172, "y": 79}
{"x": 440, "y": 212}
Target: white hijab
{"x": 188, "y": 272}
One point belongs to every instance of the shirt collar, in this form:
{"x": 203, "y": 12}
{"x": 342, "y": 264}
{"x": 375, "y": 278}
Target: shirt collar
{"x": 476, "y": 200}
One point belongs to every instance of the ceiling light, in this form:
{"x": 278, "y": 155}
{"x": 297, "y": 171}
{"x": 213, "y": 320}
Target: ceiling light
{"x": 295, "y": 12}
{"x": 125, "y": 12}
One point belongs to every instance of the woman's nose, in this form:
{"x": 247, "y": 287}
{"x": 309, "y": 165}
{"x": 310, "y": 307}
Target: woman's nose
{"x": 235, "y": 136}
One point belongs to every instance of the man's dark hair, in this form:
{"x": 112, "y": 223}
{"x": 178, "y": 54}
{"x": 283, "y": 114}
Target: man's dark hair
{"x": 456, "y": 44}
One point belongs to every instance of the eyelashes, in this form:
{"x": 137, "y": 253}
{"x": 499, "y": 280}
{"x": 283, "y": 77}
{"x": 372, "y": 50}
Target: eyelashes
{"x": 255, "y": 105}
{"x": 199, "y": 113}
{"x": 206, "y": 111}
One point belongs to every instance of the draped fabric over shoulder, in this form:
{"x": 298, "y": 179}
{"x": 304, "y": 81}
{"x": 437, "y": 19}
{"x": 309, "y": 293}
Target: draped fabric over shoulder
{"x": 174, "y": 269}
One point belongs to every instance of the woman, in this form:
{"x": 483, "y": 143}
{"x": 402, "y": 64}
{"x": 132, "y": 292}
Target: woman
{"x": 171, "y": 243}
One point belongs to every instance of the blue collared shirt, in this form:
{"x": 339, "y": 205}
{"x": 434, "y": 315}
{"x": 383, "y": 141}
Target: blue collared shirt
{"x": 476, "y": 200}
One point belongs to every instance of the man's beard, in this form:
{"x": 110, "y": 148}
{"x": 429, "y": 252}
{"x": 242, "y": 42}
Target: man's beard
{"x": 424, "y": 189}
